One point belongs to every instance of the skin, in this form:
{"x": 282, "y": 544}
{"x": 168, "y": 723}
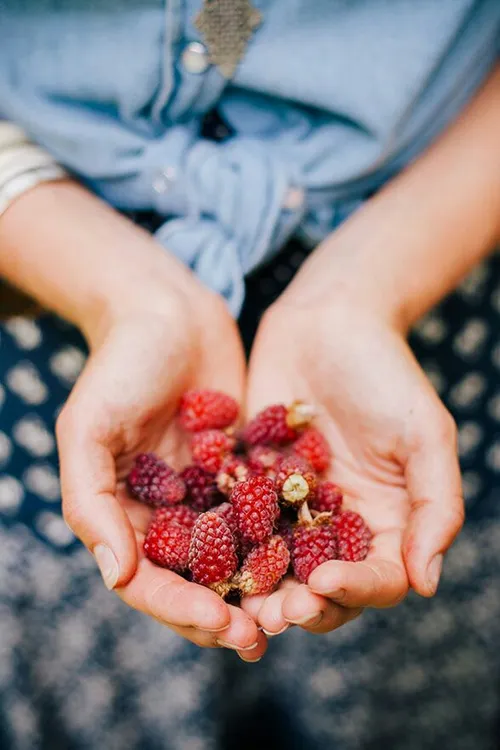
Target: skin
{"x": 336, "y": 337}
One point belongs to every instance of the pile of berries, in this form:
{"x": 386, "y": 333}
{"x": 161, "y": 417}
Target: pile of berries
{"x": 252, "y": 503}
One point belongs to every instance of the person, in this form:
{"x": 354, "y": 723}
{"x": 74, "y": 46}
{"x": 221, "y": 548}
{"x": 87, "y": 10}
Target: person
{"x": 387, "y": 166}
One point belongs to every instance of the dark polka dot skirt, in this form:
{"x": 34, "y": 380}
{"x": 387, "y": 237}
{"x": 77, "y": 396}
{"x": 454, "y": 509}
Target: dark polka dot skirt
{"x": 80, "y": 670}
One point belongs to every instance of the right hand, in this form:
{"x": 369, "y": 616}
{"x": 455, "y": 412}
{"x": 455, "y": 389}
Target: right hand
{"x": 124, "y": 403}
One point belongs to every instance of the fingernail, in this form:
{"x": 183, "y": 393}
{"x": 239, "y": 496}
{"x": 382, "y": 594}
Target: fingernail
{"x": 276, "y": 632}
{"x": 108, "y": 565}
{"x": 249, "y": 661}
{"x": 214, "y": 630}
{"x": 434, "y": 572}
{"x": 232, "y": 646}
{"x": 309, "y": 621}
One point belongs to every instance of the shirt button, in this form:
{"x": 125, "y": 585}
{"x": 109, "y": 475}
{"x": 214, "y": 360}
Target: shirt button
{"x": 195, "y": 58}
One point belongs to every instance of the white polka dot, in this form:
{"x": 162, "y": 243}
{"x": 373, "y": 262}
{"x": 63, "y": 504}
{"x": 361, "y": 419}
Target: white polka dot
{"x": 328, "y": 682}
{"x": 468, "y": 390}
{"x": 25, "y": 382}
{"x": 31, "y": 433}
{"x": 470, "y": 340}
{"x": 25, "y": 331}
{"x": 11, "y": 494}
{"x": 54, "y": 529}
{"x": 472, "y": 484}
{"x": 5, "y": 448}
{"x": 473, "y": 286}
{"x": 495, "y": 356}
{"x": 431, "y": 329}
{"x": 469, "y": 436}
{"x": 494, "y": 407}
{"x": 493, "y": 456}
{"x": 43, "y": 480}
{"x": 67, "y": 363}
{"x": 436, "y": 377}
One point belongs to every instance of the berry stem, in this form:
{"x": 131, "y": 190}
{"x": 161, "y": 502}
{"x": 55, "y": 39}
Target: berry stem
{"x": 304, "y": 514}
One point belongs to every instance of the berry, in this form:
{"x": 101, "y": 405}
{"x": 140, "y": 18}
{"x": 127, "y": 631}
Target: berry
{"x": 255, "y": 504}
{"x": 277, "y": 424}
{"x": 233, "y": 469}
{"x": 226, "y": 511}
{"x": 154, "y": 482}
{"x": 167, "y": 544}
{"x": 353, "y": 536}
{"x": 326, "y": 499}
{"x": 313, "y": 544}
{"x": 295, "y": 480}
{"x": 207, "y": 410}
{"x": 312, "y": 446}
{"x": 180, "y": 514}
{"x": 263, "y": 460}
{"x": 264, "y": 567}
{"x": 201, "y": 489}
{"x": 212, "y": 553}
{"x": 209, "y": 449}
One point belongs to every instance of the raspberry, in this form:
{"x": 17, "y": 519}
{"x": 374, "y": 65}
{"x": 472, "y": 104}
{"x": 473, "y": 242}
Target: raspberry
{"x": 353, "y": 536}
{"x": 263, "y": 460}
{"x": 295, "y": 480}
{"x": 167, "y": 544}
{"x": 312, "y": 446}
{"x": 327, "y": 498}
{"x": 209, "y": 449}
{"x": 226, "y": 511}
{"x": 154, "y": 482}
{"x": 207, "y": 410}
{"x": 233, "y": 469}
{"x": 212, "y": 553}
{"x": 201, "y": 490}
{"x": 313, "y": 544}
{"x": 264, "y": 567}
{"x": 180, "y": 514}
{"x": 277, "y": 424}
{"x": 255, "y": 504}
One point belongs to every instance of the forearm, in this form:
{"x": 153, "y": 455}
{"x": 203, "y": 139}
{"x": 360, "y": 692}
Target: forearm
{"x": 418, "y": 237}
{"x": 80, "y": 258}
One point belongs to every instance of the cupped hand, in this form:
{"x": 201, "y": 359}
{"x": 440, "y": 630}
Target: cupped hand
{"x": 394, "y": 448}
{"x": 124, "y": 403}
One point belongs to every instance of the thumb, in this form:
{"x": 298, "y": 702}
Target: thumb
{"x": 437, "y": 508}
{"x": 90, "y": 506}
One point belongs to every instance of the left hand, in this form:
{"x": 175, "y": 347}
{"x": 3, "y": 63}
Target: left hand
{"x": 393, "y": 442}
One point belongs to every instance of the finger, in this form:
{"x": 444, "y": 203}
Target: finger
{"x": 242, "y": 635}
{"x": 90, "y": 507}
{"x": 437, "y": 509}
{"x": 313, "y": 612}
{"x": 210, "y": 640}
{"x": 252, "y": 605}
{"x": 172, "y": 600}
{"x": 378, "y": 581}
{"x": 270, "y": 616}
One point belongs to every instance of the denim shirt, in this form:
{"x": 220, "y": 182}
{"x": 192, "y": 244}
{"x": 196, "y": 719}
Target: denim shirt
{"x": 329, "y": 100}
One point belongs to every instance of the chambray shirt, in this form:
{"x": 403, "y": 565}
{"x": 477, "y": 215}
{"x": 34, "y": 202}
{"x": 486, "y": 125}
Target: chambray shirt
{"x": 330, "y": 99}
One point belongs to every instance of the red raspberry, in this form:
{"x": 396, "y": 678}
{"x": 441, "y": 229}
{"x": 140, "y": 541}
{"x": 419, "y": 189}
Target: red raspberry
{"x": 233, "y": 469}
{"x": 295, "y": 480}
{"x": 167, "y": 544}
{"x": 277, "y": 424}
{"x": 209, "y": 449}
{"x": 201, "y": 490}
{"x": 264, "y": 567}
{"x": 180, "y": 514}
{"x": 207, "y": 410}
{"x": 212, "y": 553}
{"x": 313, "y": 544}
{"x": 326, "y": 499}
{"x": 154, "y": 482}
{"x": 312, "y": 445}
{"x": 263, "y": 460}
{"x": 255, "y": 504}
{"x": 353, "y": 536}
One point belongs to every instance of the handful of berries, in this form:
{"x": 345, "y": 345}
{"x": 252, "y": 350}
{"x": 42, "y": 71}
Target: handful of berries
{"x": 252, "y": 503}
